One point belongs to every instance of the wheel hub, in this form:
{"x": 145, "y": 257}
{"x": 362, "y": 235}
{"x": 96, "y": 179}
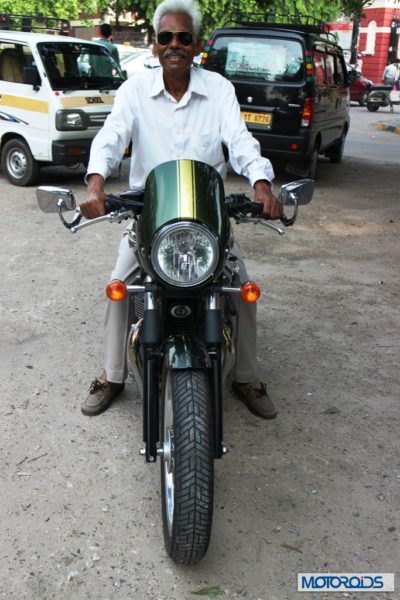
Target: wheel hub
{"x": 166, "y": 451}
{"x": 17, "y": 164}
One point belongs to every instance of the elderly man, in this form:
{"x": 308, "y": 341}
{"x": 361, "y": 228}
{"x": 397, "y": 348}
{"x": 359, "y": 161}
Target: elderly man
{"x": 170, "y": 113}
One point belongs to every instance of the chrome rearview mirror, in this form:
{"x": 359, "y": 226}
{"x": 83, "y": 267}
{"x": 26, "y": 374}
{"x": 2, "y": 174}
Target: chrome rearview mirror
{"x": 52, "y": 199}
{"x": 297, "y": 192}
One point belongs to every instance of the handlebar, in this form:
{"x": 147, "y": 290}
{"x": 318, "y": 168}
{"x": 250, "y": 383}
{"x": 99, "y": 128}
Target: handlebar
{"x": 118, "y": 208}
{"x": 239, "y": 205}
{"x": 125, "y": 201}
{"x": 129, "y": 204}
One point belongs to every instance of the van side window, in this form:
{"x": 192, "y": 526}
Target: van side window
{"x": 319, "y": 67}
{"x": 13, "y": 59}
{"x": 11, "y": 63}
{"x": 330, "y": 69}
{"x": 339, "y": 73}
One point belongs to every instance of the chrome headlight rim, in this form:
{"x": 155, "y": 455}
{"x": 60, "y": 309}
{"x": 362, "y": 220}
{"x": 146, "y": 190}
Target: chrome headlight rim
{"x": 184, "y": 225}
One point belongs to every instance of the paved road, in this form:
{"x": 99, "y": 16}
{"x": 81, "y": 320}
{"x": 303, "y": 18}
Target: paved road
{"x": 318, "y": 489}
{"x": 366, "y": 141}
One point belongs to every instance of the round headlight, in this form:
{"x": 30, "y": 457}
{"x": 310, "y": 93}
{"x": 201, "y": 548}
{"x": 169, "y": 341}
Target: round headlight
{"x": 184, "y": 254}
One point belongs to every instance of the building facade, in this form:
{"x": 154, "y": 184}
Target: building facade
{"x": 379, "y": 37}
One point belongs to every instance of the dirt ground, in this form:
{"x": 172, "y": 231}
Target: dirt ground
{"x": 315, "y": 490}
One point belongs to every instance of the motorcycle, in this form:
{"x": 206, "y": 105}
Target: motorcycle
{"x": 381, "y": 96}
{"x": 181, "y": 341}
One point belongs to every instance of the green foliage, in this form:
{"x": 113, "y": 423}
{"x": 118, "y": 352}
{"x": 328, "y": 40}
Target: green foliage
{"x": 355, "y": 8}
{"x": 217, "y": 12}
{"x": 61, "y": 9}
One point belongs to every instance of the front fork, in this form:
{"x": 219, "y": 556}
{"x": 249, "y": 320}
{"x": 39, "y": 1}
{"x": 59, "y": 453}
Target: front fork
{"x": 151, "y": 339}
{"x": 213, "y": 338}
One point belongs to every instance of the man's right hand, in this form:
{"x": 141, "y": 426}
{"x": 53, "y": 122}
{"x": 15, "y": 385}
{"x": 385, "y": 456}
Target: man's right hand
{"x": 93, "y": 206}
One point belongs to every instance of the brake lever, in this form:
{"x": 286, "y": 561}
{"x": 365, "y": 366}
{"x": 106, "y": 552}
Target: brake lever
{"x": 244, "y": 219}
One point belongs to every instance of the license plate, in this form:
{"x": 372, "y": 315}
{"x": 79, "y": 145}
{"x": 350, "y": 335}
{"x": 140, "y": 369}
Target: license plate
{"x": 264, "y": 119}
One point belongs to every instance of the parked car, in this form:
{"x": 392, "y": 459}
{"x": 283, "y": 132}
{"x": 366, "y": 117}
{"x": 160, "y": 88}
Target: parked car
{"x": 360, "y": 88}
{"x": 144, "y": 59}
{"x": 53, "y": 102}
{"x": 291, "y": 82}
{"x": 133, "y": 63}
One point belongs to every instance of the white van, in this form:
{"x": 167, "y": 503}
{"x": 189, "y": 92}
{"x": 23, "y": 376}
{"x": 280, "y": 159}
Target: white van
{"x": 55, "y": 94}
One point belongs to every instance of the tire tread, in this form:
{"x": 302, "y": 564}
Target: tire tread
{"x": 193, "y": 469}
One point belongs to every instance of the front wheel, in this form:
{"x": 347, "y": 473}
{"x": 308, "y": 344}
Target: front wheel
{"x": 187, "y": 466}
{"x": 18, "y": 163}
{"x": 372, "y": 106}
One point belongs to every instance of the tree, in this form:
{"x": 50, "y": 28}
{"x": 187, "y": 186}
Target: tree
{"x": 216, "y": 12}
{"x": 355, "y": 8}
{"x": 60, "y": 9}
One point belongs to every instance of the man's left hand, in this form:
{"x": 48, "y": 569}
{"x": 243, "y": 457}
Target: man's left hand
{"x": 272, "y": 207}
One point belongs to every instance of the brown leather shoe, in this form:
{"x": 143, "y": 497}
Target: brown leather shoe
{"x": 255, "y": 397}
{"x": 101, "y": 394}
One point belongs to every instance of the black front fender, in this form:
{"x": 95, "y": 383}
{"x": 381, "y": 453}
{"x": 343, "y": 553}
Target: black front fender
{"x": 185, "y": 352}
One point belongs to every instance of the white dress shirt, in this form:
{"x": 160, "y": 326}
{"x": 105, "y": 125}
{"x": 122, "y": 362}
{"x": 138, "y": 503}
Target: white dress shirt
{"x": 162, "y": 129}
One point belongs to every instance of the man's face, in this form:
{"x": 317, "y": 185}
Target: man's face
{"x": 175, "y": 55}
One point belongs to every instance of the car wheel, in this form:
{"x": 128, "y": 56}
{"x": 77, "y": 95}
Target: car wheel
{"x": 312, "y": 163}
{"x": 372, "y": 107}
{"x": 335, "y": 153}
{"x": 18, "y": 163}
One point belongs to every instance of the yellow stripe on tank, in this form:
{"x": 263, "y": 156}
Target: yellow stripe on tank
{"x": 186, "y": 186}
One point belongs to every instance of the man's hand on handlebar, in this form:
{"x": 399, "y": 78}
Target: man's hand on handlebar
{"x": 272, "y": 207}
{"x": 93, "y": 206}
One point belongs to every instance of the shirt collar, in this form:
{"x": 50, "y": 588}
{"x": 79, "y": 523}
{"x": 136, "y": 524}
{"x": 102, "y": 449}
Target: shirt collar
{"x": 196, "y": 83}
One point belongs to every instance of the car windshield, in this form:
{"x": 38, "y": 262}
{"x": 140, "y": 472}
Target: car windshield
{"x": 256, "y": 58}
{"x": 72, "y": 65}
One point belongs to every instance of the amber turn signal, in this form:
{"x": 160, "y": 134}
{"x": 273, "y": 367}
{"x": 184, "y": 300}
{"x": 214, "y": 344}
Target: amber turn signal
{"x": 116, "y": 290}
{"x": 250, "y": 291}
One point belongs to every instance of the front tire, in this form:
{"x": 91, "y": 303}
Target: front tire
{"x": 372, "y": 107}
{"x": 18, "y": 163}
{"x": 187, "y": 467}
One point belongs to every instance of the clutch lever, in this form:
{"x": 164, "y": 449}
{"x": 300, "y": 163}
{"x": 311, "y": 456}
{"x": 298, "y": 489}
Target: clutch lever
{"x": 112, "y": 217}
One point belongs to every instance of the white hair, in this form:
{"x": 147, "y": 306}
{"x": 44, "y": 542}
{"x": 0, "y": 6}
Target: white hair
{"x": 189, "y": 7}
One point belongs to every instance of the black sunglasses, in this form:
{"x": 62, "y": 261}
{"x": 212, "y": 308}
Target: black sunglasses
{"x": 184, "y": 37}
